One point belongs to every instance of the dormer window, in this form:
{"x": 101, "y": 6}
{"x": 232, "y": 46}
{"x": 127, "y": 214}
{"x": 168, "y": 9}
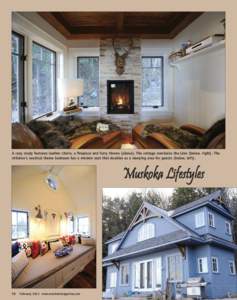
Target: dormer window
{"x": 147, "y": 231}
{"x": 228, "y": 228}
{"x": 199, "y": 219}
{"x": 211, "y": 219}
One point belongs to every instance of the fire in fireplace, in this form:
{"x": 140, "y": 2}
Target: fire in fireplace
{"x": 120, "y": 96}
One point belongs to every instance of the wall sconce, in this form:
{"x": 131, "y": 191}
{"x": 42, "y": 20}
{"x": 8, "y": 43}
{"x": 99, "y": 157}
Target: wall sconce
{"x": 39, "y": 213}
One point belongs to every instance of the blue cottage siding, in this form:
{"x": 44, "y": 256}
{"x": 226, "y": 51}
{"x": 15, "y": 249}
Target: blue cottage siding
{"x": 162, "y": 226}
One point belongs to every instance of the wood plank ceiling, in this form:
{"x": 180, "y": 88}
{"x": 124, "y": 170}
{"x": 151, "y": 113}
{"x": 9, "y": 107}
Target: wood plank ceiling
{"x": 91, "y": 25}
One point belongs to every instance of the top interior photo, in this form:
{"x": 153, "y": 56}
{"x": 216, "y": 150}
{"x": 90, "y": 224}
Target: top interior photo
{"x": 118, "y": 80}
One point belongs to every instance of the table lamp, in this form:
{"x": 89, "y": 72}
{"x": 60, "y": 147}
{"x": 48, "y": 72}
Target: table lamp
{"x": 73, "y": 89}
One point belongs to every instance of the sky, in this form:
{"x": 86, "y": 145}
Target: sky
{"x": 124, "y": 192}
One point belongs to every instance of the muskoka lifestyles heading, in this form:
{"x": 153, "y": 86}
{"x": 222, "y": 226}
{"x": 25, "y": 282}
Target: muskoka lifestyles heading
{"x": 174, "y": 174}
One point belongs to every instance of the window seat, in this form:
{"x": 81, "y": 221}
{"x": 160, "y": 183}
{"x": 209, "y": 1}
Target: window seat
{"x": 48, "y": 271}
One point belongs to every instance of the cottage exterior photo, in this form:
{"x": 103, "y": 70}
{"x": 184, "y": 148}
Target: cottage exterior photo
{"x": 194, "y": 240}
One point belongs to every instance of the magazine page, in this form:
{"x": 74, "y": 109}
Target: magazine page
{"x": 118, "y": 150}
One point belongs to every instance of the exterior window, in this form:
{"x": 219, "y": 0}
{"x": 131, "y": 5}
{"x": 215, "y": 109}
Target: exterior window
{"x": 211, "y": 220}
{"x": 20, "y": 224}
{"x": 232, "y": 267}
{"x": 199, "y": 220}
{"x": 124, "y": 273}
{"x": 113, "y": 279}
{"x": 174, "y": 268}
{"x": 114, "y": 247}
{"x": 43, "y": 81}
{"x": 17, "y": 77}
{"x": 228, "y": 228}
{"x": 88, "y": 70}
{"x": 158, "y": 271}
{"x": 202, "y": 265}
{"x": 147, "y": 231}
{"x": 152, "y": 81}
{"x": 214, "y": 264}
{"x": 83, "y": 226}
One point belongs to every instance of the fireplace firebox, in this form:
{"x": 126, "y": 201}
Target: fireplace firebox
{"x": 120, "y": 96}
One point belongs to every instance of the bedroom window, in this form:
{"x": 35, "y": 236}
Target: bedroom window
{"x": 202, "y": 265}
{"x": 174, "y": 266}
{"x": 43, "y": 81}
{"x": 83, "y": 226}
{"x": 232, "y": 267}
{"x": 147, "y": 231}
{"x": 18, "y": 114}
{"x": 214, "y": 265}
{"x": 211, "y": 220}
{"x": 228, "y": 228}
{"x": 124, "y": 273}
{"x": 20, "y": 224}
{"x": 199, "y": 220}
{"x": 152, "y": 81}
{"x": 88, "y": 70}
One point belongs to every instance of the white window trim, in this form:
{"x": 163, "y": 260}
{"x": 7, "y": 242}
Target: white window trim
{"x": 201, "y": 258}
{"x": 229, "y": 226}
{"x": 153, "y": 281}
{"x": 213, "y": 218}
{"x": 203, "y": 219}
{"x": 171, "y": 255}
{"x": 217, "y": 264}
{"x": 146, "y": 231}
{"x": 120, "y": 274}
{"x": 234, "y": 267}
{"x": 113, "y": 281}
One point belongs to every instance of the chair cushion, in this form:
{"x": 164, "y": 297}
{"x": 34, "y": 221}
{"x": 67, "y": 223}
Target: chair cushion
{"x": 19, "y": 262}
{"x": 24, "y": 138}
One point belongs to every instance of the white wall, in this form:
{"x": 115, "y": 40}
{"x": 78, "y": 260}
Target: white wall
{"x": 199, "y": 82}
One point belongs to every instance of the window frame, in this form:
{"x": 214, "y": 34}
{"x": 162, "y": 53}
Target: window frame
{"x": 89, "y": 226}
{"x": 203, "y": 216}
{"x": 48, "y": 114}
{"x": 234, "y": 267}
{"x": 217, "y": 264}
{"x": 27, "y": 225}
{"x": 198, "y": 262}
{"x": 229, "y": 231}
{"x": 145, "y": 234}
{"x": 22, "y": 58}
{"x": 162, "y": 82}
{"x": 126, "y": 274}
{"x": 93, "y": 56}
{"x": 213, "y": 219}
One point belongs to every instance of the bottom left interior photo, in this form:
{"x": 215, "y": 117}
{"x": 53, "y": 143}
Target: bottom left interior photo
{"x": 53, "y": 234}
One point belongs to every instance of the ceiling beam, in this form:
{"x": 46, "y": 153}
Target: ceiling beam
{"x": 120, "y": 22}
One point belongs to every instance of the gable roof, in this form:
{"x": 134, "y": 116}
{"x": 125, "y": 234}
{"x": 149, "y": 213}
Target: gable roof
{"x": 150, "y": 244}
{"x": 115, "y": 238}
{"x": 212, "y": 199}
{"x": 156, "y": 211}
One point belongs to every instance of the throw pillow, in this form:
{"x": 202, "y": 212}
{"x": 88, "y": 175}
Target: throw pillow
{"x": 43, "y": 247}
{"x": 19, "y": 262}
{"x": 28, "y": 251}
{"x": 54, "y": 246}
{"x": 72, "y": 239}
{"x": 35, "y": 249}
{"x": 15, "y": 248}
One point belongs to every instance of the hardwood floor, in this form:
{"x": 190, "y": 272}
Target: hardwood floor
{"x": 85, "y": 279}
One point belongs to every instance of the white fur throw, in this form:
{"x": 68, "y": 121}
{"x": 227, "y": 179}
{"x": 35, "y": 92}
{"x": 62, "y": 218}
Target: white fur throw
{"x": 102, "y": 127}
{"x": 19, "y": 262}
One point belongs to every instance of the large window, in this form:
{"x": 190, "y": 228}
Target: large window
{"x": 153, "y": 81}
{"x": 83, "y": 226}
{"x": 124, "y": 273}
{"x": 88, "y": 70}
{"x": 43, "y": 81}
{"x": 20, "y": 224}
{"x": 147, "y": 231}
{"x": 17, "y": 78}
{"x": 70, "y": 224}
{"x": 174, "y": 268}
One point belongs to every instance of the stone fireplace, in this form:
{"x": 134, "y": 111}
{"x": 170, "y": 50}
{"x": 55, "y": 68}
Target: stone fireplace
{"x": 120, "y": 96}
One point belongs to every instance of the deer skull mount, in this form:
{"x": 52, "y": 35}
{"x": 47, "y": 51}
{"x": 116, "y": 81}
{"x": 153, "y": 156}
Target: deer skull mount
{"x": 121, "y": 54}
